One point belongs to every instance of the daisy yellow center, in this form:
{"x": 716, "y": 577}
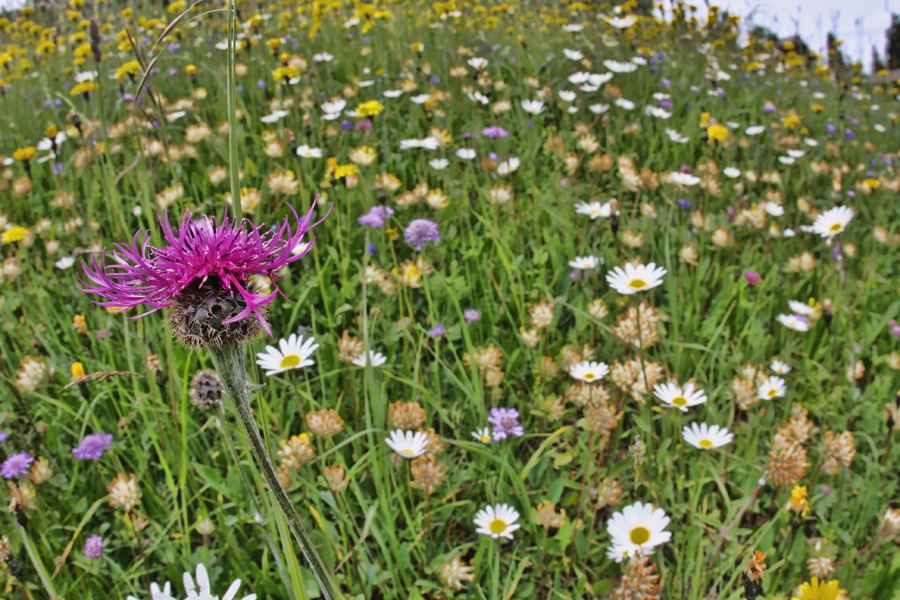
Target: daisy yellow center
{"x": 485, "y": 438}
{"x": 291, "y": 360}
{"x": 497, "y": 526}
{"x": 639, "y": 535}
{"x": 407, "y": 451}
{"x": 705, "y": 444}
{"x": 679, "y": 401}
{"x": 589, "y": 375}
{"x": 637, "y": 284}
{"x": 772, "y": 393}
{"x": 835, "y": 227}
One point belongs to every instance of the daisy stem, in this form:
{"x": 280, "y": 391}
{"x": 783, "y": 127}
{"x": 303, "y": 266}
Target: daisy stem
{"x": 229, "y": 362}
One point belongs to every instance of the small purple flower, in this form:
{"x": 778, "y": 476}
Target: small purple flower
{"x": 836, "y": 253}
{"x": 752, "y": 277}
{"x": 92, "y": 446}
{"x": 505, "y": 422}
{"x": 745, "y": 77}
{"x": 364, "y": 125}
{"x": 851, "y": 193}
{"x": 694, "y": 89}
{"x": 870, "y": 174}
{"x": 471, "y": 315}
{"x": 529, "y": 123}
{"x": 367, "y": 40}
{"x": 102, "y": 334}
{"x": 826, "y": 489}
{"x": 888, "y": 161}
{"x": 3, "y": 436}
{"x": 57, "y": 103}
{"x": 564, "y": 182}
{"x": 855, "y": 121}
{"x": 468, "y": 135}
{"x": 16, "y": 465}
{"x": 372, "y": 249}
{"x": 654, "y": 68}
{"x": 494, "y": 131}
{"x": 435, "y": 79}
{"x": 685, "y": 204}
{"x": 93, "y": 547}
{"x": 576, "y": 275}
{"x": 438, "y": 331}
{"x": 173, "y": 72}
{"x": 261, "y": 84}
{"x": 769, "y": 107}
{"x": 665, "y": 82}
{"x": 239, "y": 89}
{"x": 201, "y": 255}
{"x": 493, "y": 156}
{"x": 830, "y": 127}
{"x": 57, "y": 168}
{"x": 420, "y": 232}
{"x": 849, "y": 134}
{"x": 666, "y": 104}
{"x": 346, "y": 125}
{"x": 732, "y": 213}
{"x": 777, "y": 92}
{"x": 376, "y": 216}
{"x": 128, "y": 97}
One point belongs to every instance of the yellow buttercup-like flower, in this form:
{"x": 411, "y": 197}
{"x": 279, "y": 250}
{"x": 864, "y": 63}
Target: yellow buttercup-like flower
{"x": 814, "y": 590}
{"x": 23, "y": 154}
{"x": 16, "y": 234}
{"x": 717, "y": 133}
{"x": 77, "y": 370}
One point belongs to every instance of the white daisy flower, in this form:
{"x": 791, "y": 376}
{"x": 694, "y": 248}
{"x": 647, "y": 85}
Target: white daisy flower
{"x": 589, "y": 371}
{"x": 392, "y": 93}
{"x": 579, "y": 77}
{"x": 156, "y": 593}
{"x": 585, "y": 263}
{"x": 706, "y": 437}
{"x": 421, "y": 98}
{"x": 598, "y": 109}
{"x": 624, "y": 104}
{"x": 774, "y": 209}
{"x": 780, "y": 367}
{"x": 773, "y": 387}
{"x": 205, "y": 592}
{"x": 334, "y": 107}
{"x": 680, "y": 398}
{"x": 439, "y": 163}
{"x": 567, "y": 95}
{"x": 275, "y": 116}
{"x": 795, "y": 322}
{"x": 598, "y": 80}
{"x": 677, "y": 137}
{"x": 810, "y": 142}
{"x": 377, "y": 359}
{"x": 65, "y": 262}
{"x": 322, "y": 57}
{"x": 483, "y": 435}
{"x": 796, "y": 153}
{"x": 535, "y": 107}
{"x": 679, "y": 178}
{"x": 755, "y": 130}
{"x": 497, "y": 521}
{"x": 732, "y": 172}
{"x": 801, "y": 308}
{"x": 479, "y": 98}
{"x": 478, "y": 63}
{"x": 508, "y": 166}
{"x": 408, "y": 444}
{"x": 786, "y": 160}
{"x": 619, "y": 67}
{"x": 573, "y": 54}
{"x": 832, "y": 221}
{"x": 294, "y": 354}
{"x": 301, "y": 247}
{"x": 573, "y": 28}
{"x": 622, "y": 22}
{"x": 638, "y": 528}
{"x": 655, "y": 111}
{"x": 631, "y": 279}
{"x": 594, "y": 209}
{"x": 465, "y": 153}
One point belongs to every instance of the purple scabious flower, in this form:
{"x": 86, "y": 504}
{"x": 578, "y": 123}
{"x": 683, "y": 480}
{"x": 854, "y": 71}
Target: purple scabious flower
{"x": 93, "y": 547}
{"x": 505, "y": 422}
{"x": 471, "y": 315}
{"x": 92, "y": 446}
{"x": 3, "y": 436}
{"x": 848, "y": 134}
{"x": 685, "y": 204}
{"x": 203, "y": 265}
{"x": 438, "y": 331}
{"x": 420, "y": 232}
{"x": 494, "y": 131}
{"x": 376, "y": 216}
{"x": 16, "y": 465}
{"x": 830, "y": 127}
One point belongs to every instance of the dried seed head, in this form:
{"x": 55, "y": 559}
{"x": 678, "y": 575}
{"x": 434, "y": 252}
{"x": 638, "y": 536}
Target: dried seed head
{"x": 821, "y": 567}
{"x": 349, "y": 348}
{"x": 199, "y": 313}
{"x": 837, "y": 451}
{"x": 608, "y": 494}
{"x": 406, "y": 415}
{"x": 335, "y": 478}
{"x": 640, "y": 581}
{"x": 296, "y": 451}
{"x": 787, "y": 461}
{"x": 325, "y": 423}
{"x": 206, "y": 389}
{"x": 547, "y": 516}
{"x": 756, "y": 568}
{"x": 601, "y": 419}
{"x": 124, "y": 492}
{"x": 455, "y": 573}
{"x": 427, "y": 473}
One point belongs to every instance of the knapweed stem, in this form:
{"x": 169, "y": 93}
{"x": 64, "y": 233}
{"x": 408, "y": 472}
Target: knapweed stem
{"x": 229, "y": 361}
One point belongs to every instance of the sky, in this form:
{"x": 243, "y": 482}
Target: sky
{"x": 860, "y": 23}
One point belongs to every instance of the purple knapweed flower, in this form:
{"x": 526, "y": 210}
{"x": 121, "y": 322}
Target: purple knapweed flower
{"x": 16, "y": 465}
{"x": 830, "y": 127}
{"x": 376, "y": 216}
{"x": 261, "y": 84}
{"x": 438, "y": 331}
{"x": 471, "y": 315}
{"x": 346, "y": 125}
{"x": 685, "y": 204}
{"x": 202, "y": 266}
{"x": 494, "y": 131}
{"x": 752, "y": 277}
{"x": 93, "y": 547}
{"x": 92, "y": 446}
{"x": 3, "y": 436}
{"x": 505, "y": 422}
{"x": 665, "y": 82}
{"x": 363, "y": 126}
{"x": 848, "y": 134}
{"x": 420, "y": 232}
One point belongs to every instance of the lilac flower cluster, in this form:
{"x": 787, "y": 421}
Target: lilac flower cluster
{"x": 16, "y": 465}
{"x": 376, "y": 216}
{"x": 92, "y": 446}
{"x": 420, "y": 232}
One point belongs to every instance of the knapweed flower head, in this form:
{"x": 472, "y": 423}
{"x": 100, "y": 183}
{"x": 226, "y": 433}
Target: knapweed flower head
{"x": 471, "y": 315}
{"x": 93, "y": 547}
{"x": 376, "y": 216}
{"x": 16, "y": 465}
{"x": 92, "y": 446}
{"x": 505, "y": 422}
{"x": 203, "y": 273}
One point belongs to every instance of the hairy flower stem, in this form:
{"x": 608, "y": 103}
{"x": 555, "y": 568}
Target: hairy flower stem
{"x": 229, "y": 361}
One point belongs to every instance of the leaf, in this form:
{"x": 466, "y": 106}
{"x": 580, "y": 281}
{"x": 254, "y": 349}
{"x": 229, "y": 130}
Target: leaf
{"x": 211, "y": 476}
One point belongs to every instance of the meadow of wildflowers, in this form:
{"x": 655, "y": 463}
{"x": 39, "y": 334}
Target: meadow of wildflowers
{"x": 440, "y": 300}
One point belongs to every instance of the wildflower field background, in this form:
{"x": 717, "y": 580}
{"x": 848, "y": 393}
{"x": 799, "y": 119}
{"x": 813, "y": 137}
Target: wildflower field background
{"x": 597, "y": 304}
